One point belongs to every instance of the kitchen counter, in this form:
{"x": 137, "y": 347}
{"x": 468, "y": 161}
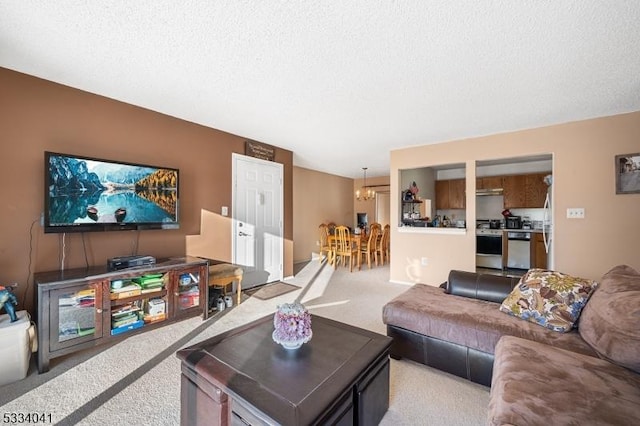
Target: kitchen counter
{"x": 431, "y": 230}
{"x": 533, "y": 231}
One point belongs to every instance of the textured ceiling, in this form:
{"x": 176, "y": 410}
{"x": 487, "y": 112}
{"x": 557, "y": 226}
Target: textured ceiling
{"x": 340, "y": 83}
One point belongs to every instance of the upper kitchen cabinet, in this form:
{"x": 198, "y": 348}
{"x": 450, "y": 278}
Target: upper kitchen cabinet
{"x": 524, "y": 191}
{"x": 513, "y": 191}
{"x": 535, "y": 189}
{"x": 450, "y": 194}
{"x": 489, "y": 183}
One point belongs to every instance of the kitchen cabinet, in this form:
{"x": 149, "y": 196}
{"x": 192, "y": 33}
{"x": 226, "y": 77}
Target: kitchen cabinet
{"x": 524, "y": 191}
{"x": 538, "y": 252}
{"x": 535, "y": 189}
{"x": 513, "y": 191}
{"x": 489, "y": 182}
{"x": 442, "y": 194}
{"x": 450, "y": 194}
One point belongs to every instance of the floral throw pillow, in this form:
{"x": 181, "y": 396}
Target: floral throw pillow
{"x": 549, "y": 298}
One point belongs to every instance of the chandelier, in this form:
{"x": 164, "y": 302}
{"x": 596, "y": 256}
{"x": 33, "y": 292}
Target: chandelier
{"x": 366, "y": 193}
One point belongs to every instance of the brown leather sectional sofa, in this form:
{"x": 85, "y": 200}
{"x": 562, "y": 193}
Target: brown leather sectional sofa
{"x": 590, "y": 375}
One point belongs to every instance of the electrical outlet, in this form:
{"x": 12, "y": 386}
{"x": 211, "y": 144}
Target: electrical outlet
{"x": 424, "y": 261}
{"x": 575, "y": 213}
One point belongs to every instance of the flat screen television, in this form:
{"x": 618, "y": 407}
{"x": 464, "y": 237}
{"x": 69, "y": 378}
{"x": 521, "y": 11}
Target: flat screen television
{"x": 84, "y": 194}
{"x": 362, "y": 220}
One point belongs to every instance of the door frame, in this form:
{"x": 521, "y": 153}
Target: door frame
{"x": 234, "y": 229}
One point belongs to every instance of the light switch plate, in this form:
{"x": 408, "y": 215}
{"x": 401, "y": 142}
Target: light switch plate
{"x": 575, "y": 213}
{"x": 225, "y": 211}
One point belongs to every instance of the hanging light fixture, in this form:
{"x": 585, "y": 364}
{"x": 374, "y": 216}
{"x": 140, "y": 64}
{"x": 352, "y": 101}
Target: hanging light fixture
{"x": 366, "y": 193}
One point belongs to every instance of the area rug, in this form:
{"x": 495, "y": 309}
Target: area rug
{"x": 274, "y": 289}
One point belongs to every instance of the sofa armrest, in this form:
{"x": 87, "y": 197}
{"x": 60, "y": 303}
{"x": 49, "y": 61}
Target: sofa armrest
{"x": 493, "y": 288}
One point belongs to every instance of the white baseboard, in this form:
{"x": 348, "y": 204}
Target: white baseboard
{"x": 402, "y": 282}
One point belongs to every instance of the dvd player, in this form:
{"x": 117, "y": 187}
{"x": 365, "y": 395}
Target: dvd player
{"x": 123, "y": 262}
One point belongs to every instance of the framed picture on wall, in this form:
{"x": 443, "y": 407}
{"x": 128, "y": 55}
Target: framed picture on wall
{"x": 628, "y": 173}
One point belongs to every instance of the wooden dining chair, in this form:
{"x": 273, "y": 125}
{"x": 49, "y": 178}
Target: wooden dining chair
{"x": 368, "y": 247}
{"x": 345, "y": 248}
{"x": 325, "y": 246}
{"x": 382, "y": 246}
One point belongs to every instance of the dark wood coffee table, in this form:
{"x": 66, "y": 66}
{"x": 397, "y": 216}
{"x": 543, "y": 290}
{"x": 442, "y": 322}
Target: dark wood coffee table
{"x": 242, "y": 377}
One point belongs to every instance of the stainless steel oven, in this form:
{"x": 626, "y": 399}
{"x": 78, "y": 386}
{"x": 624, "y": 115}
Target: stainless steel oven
{"x": 489, "y": 248}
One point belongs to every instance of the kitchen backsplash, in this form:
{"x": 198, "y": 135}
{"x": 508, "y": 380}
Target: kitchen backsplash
{"x": 491, "y": 208}
{"x": 532, "y": 214}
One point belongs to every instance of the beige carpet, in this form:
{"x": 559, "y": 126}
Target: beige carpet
{"x": 137, "y": 381}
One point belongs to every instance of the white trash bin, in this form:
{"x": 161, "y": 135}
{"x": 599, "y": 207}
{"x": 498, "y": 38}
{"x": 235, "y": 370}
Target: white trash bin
{"x": 15, "y": 347}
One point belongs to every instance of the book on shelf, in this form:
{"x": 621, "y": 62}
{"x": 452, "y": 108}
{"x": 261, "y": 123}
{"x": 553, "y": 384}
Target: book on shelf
{"x": 155, "y": 284}
{"x": 126, "y": 309}
{"x": 149, "y": 280}
{"x": 126, "y": 291}
{"x": 126, "y": 320}
{"x": 150, "y": 319}
{"x": 125, "y": 288}
{"x": 83, "y": 299}
{"x": 150, "y": 290}
{"x": 67, "y": 301}
{"x": 128, "y": 327}
{"x": 149, "y": 276}
{"x": 86, "y": 303}
{"x": 86, "y": 331}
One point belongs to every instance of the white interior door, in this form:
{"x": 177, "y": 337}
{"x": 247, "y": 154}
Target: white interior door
{"x": 257, "y": 219}
{"x": 383, "y": 207}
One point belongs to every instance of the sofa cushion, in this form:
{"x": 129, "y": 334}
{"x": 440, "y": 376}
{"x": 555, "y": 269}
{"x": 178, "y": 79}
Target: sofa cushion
{"x": 549, "y": 298}
{"x": 493, "y": 288}
{"x": 610, "y": 322}
{"x": 537, "y": 384}
{"x": 477, "y": 324}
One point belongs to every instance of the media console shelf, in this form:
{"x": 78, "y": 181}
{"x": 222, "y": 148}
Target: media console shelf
{"x": 85, "y": 307}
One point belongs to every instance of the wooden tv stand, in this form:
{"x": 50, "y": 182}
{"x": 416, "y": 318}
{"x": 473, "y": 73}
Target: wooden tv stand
{"x": 81, "y": 308}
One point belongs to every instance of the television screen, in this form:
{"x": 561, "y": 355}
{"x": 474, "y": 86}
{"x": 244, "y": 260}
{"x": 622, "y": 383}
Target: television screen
{"x": 362, "y": 220}
{"x": 89, "y": 194}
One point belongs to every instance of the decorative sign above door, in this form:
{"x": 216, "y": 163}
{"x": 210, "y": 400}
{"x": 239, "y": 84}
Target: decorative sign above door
{"x": 259, "y": 150}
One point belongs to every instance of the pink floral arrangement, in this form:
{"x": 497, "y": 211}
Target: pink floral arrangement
{"x": 292, "y": 323}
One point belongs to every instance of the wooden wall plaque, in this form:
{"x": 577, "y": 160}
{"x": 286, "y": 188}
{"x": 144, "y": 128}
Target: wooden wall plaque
{"x": 259, "y": 150}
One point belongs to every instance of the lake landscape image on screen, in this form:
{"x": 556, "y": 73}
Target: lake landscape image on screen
{"x": 85, "y": 191}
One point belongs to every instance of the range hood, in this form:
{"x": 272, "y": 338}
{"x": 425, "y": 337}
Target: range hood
{"x": 492, "y": 191}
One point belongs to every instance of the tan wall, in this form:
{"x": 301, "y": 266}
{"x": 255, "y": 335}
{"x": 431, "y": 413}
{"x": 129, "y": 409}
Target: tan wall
{"x": 37, "y": 115}
{"x": 584, "y": 176}
{"x": 368, "y": 206}
{"x": 321, "y": 198}
{"x": 318, "y": 198}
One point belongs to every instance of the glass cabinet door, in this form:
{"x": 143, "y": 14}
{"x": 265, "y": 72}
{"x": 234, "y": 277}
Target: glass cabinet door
{"x": 188, "y": 289}
{"x": 76, "y": 315}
